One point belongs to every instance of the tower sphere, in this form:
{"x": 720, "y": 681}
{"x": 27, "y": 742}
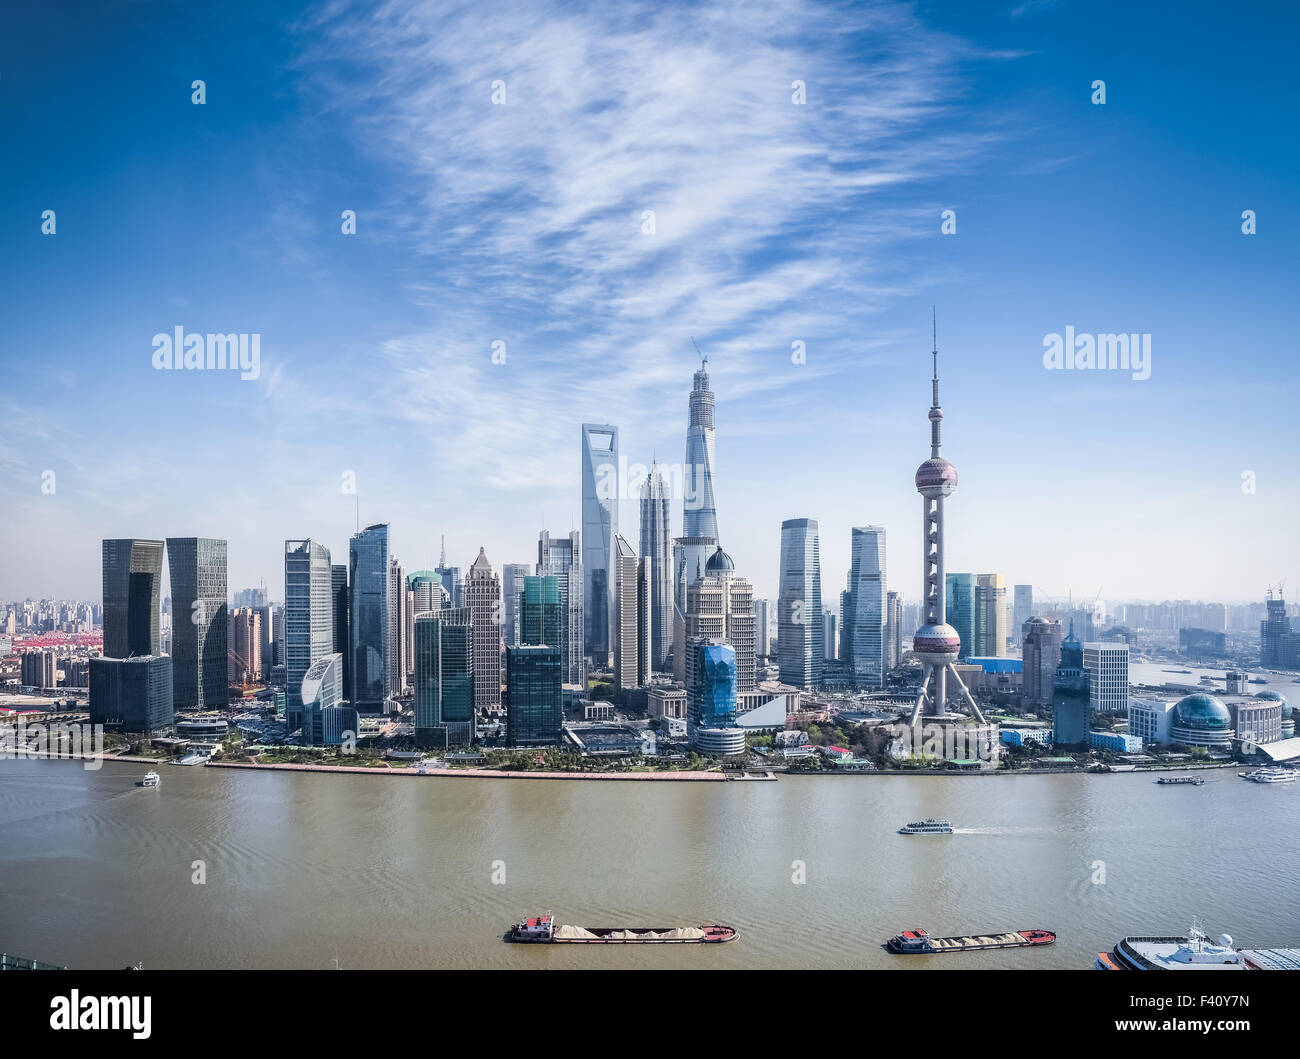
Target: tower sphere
{"x": 936, "y": 477}
{"x": 936, "y": 644}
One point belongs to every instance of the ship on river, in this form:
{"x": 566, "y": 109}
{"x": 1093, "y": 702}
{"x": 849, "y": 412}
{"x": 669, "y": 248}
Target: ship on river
{"x": 916, "y": 942}
{"x": 544, "y": 929}
{"x": 1193, "y": 951}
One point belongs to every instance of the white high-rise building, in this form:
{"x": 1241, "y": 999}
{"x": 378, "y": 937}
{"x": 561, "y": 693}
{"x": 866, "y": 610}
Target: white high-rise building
{"x": 483, "y": 597}
{"x": 1107, "y": 668}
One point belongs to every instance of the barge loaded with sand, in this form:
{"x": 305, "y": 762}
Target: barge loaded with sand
{"x": 911, "y": 942}
{"x": 544, "y": 929}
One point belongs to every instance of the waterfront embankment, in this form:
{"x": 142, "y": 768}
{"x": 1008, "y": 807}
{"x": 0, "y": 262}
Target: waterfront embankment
{"x": 696, "y": 777}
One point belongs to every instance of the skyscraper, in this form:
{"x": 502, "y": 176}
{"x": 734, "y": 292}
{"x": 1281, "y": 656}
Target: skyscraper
{"x": 541, "y": 614}
{"x": 444, "y": 678}
{"x": 534, "y": 712}
{"x": 1041, "y": 655}
{"x": 245, "y": 640}
{"x": 1022, "y": 608}
{"x": 368, "y": 588}
{"x": 483, "y": 597}
{"x": 325, "y": 720}
{"x": 711, "y": 698}
{"x": 656, "y": 548}
{"x": 959, "y": 592}
{"x": 801, "y": 636}
{"x": 632, "y": 610}
{"x": 132, "y": 597}
{"x": 561, "y": 558}
{"x": 699, "y": 539}
{"x": 1107, "y": 667}
{"x": 864, "y": 613}
{"x": 720, "y": 606}
{"x": 339, "y": 589}
{"x": 600, "y": 496}
{"x": 512, "y": 586}
{"x": 762, "y": 628}
{"x": 308, "y": 618}
{"x": 134, "y": 693}
{"x": 893, "y": 630}
{"x": 936, "y": 643}
{"x": 990, "y": 616}
{"x": 199, "y": 624}
{"x": 451, "y": 579}
{"x": 397, "y": 642}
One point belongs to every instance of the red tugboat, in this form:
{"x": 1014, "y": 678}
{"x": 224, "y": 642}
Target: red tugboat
{"x": 544, "y": 929}
{"x": 911, "y": 942}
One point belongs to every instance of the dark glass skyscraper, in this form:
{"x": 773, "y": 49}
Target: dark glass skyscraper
{"x": 132, "y": 597}
{"x": 600, "y": 496}
{"x": 339, "y": 589}
{"x": 134, "y": 693}
{"x": 368, "y": 585}
{"x": 444, "y": 678}
{"x": 801, "y": 634}
{"x": 541, "y": 615}
{"x": 656, "y": 549}
{"x": 534, "y": 710}
{"x": 197, "y": 566}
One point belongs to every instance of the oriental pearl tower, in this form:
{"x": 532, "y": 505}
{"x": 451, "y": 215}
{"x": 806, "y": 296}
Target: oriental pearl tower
{"x": 936, "y": 643}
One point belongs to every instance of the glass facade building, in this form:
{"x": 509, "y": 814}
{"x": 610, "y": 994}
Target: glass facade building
{"x": 325, "y": 720}
{"x": 444, "y": 678}
{"x": 711, "y": 699}
{"x": 133, "y": 693}
{"x": 801, "y": 636}
{"x": 197, "y": 566}
{"x": 959, "y": 599}
{"x": 339, "y": 589}
{"x": 368, "y": 574}
{"x": 308, "y": 618}
{"x": 561, "y": 558}
{"x": 541, "y": 614}
{"x": 534, "y": 704}
{"x": 864, "y": 617}
{"x": 512, "y": 587}
{"x": 132, "y": 597}
{"x": 600, "y": 496}
{"x": 656, "y": 549}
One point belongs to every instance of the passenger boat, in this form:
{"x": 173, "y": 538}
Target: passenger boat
{"x": 914, "y": 942}
{"x": 151, "y": 779}
{"x": 928, "y": 826}
{"x": 1269, "y": 774}
{"x": 1195, "y": 781}
{"x": 544, "y": 929}
{"x": 1192, "y": 952}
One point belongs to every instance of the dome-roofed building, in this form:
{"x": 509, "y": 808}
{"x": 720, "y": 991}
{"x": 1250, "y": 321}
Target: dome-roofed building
{"x": 1201, "y": 720}
{"x": 1288, "y": 721}
{"x": 719, "y": 563}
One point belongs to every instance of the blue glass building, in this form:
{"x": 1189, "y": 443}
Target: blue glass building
{"x": 368, "y": 587}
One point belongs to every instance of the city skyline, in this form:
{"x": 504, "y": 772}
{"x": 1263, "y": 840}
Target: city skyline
{"x": 815, "y": 234}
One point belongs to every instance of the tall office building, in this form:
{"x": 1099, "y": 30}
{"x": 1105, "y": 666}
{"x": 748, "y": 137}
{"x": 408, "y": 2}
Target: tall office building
{"x": 656, "y": 548}
{"x": 267, "y": 619}
{"x": 699, "y": 539}
{"x": 397, "y": 642}
{"x": 132, "y": 597}
{"x": 339, "y": 592}
{"x": 632, "y": 609}
{"x": 990, "y": 616}
{"x": 1107, "y": 667}
{"x": 512, "y": 586}
{"x": 541, "y": 613}
{"x": 1022, "y": 608}
{"x": 245, "y": 640}
{"x": 534, "y": 710}
{"x": 762, "y": 628}
{"x": 720, "y": 606}
{"x": 561, "y": 558}
{"x": 711, "y": 698}
{"x": 959, "y": 592}
{"x": 893, "y": 630}
{"x": 444, "y": 678}
{"x": 1279, "y": 646}
{"x": 483, "y": 597}
{"x": 1040, "y": 658}
{"x": 600, "y": 496}
{"x": 451, "y": 579}
{"x": 427, "y": 592}
{"x": 830, "y": 623}
{"x": 801, "y": 636}
{"x": 369, "y": 625}
{"x": 133, "y": 693}
{"x": 863, "y": 630}
{"x": 308, "y": 618}
{"x": 199, "y": 626}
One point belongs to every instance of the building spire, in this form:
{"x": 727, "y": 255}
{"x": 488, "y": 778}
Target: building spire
{"x": 936, "y": 413}
{"x": 442, "y": 559}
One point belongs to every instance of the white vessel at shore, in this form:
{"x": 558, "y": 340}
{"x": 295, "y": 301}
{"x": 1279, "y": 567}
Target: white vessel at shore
{"x": 151, "y": 779}
{"x": 928, "y": 826}
{"x": 1270, "y": 774}
{"x": 1195, "y": 952}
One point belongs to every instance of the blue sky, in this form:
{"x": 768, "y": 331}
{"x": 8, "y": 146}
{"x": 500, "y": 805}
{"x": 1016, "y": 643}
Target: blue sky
{"x": 775, "y": 223}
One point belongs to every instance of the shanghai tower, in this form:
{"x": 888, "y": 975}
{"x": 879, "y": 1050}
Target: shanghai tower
{"x": 936, "y": 643}
{"x": 699, "y": 538}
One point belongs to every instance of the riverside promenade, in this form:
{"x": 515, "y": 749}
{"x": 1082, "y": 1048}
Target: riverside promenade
{"x": 385, "y": 770}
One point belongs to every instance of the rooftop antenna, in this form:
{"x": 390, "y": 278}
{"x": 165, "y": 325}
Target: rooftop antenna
{"x": 442, "y": 561}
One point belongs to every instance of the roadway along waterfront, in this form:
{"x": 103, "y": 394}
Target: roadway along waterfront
{"x": 301, "y": 867}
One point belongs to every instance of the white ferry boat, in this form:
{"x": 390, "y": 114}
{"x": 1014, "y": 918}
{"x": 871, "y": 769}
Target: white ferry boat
{"x": 1195, "y": 952}
{"x": 928, "y": 826}
{"x": 151, "y": 779}
{"x": 1270, "y": 774}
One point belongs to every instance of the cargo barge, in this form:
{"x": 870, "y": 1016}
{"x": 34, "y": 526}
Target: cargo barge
{"x": 544, "y": 929}
{"x": 912, "y": 942}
